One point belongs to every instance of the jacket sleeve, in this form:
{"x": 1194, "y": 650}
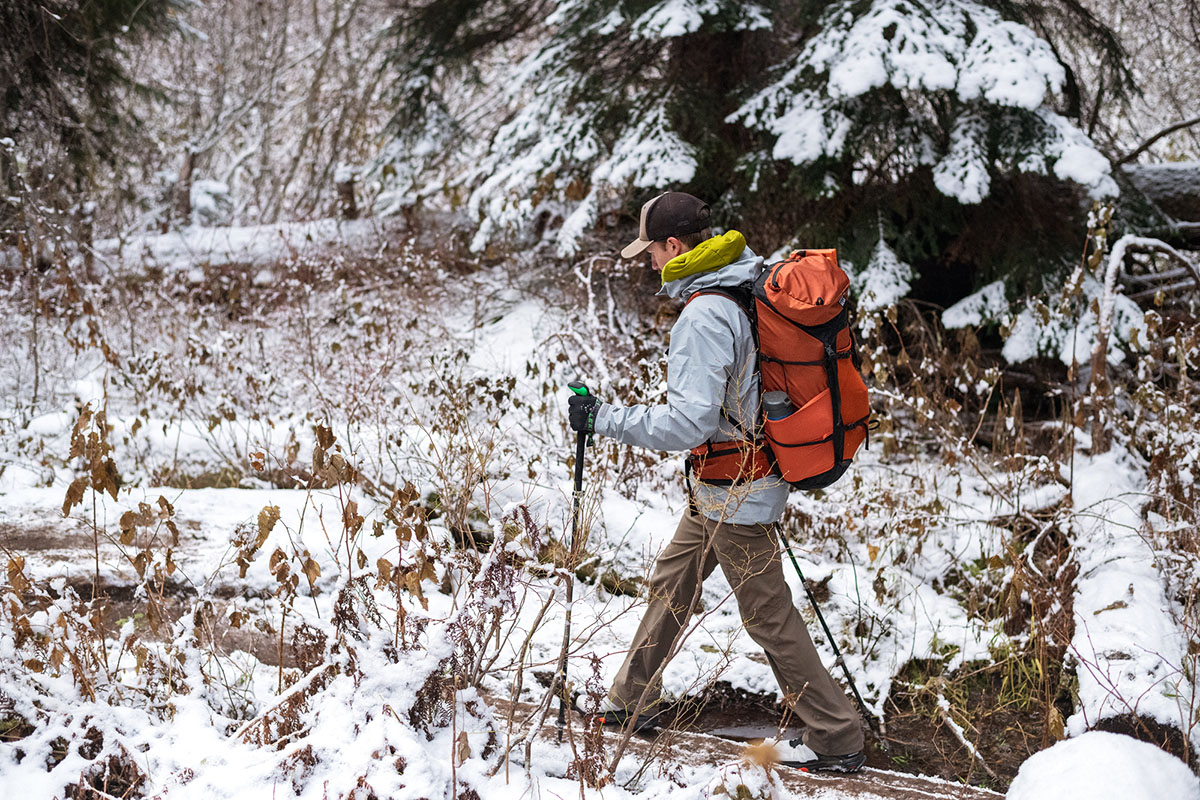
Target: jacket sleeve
{"x": 700, "y": 360}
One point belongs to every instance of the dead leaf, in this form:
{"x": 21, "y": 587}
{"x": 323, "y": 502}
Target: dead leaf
{"x": 352, "y": 521}
{"x": 464, "y": 747}
{"x": 325, "y": 437}
{"x": 266, "y": 523}
{"x": 312, "y": 571}
{"x": 1057, "y": 729}
{"x": 278, "y": 564}
{"x": 74, "y": 495}
{"x": 1111, "y": 607}
{"x": 16, "y": 575}
{"x": 412, "y": 582}
{"x": 128, "y": 527}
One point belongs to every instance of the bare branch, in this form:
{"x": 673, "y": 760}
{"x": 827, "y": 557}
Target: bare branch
{"x": 1144, "y": 146}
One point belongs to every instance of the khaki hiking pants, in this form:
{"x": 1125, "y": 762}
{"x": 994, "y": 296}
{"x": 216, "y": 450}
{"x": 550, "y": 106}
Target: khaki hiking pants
{"x": 749, "y": 556}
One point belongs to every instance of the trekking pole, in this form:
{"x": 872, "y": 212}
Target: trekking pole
{"x": 581, "y": 443}
{"x": 872, "y": 722}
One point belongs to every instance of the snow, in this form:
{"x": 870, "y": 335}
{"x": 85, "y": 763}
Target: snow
{"x": 963, "y": 171}
{"x": 1131, "y": 652}
{"x": 1104, "y": 766}
{"x": 183, "y": 250}
{"x": 674, "y": 18}
{"x": 647, "y": 156}
{"x": 1034, "y": 331}
{"x": 211, "y": 204}
{"x": 1008, "y": 65}
{"x": 1075, "y": 158}
{"x": 743, "y": 781}
{"x": 810, "y": 129}
{"x": 1171, "y": 183}
{"x": 986, "y": 305}
{"x": 992, "y": 71}
{"x": 885, "y": 280}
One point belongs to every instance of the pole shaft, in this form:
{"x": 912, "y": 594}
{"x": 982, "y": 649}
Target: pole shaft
{"x": 569, "y": 577}
{"x": 862, "y": 707}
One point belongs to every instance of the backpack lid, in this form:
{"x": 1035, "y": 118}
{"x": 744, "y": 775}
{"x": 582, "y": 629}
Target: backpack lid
{"x": 808, "y": 287}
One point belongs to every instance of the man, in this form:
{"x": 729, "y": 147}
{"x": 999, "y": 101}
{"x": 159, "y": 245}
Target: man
{"x": 713, "y": 399}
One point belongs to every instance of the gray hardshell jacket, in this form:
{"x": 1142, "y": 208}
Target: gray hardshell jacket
{"x": 712, "y": 394}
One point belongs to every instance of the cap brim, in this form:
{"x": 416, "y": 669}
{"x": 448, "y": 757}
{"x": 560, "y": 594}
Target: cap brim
{"x": 635, "y": 248}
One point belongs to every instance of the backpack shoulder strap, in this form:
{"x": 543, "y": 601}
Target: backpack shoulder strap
{"x": 742, "y": 296}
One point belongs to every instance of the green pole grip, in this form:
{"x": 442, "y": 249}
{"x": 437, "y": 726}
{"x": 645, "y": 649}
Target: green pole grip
{"x": 579, "y": 388}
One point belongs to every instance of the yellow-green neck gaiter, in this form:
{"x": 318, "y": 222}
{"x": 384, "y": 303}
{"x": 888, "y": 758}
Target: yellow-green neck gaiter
{"x": 710, "y": 254}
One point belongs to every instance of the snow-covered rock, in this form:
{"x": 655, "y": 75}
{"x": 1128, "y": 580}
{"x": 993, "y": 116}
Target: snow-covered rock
{"x": 1104, "y": 766}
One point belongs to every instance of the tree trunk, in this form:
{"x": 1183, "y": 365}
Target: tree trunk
{"x": 344, "y": 181}
{"x": 87, "y": 231}
{"x": 183, "y": 188}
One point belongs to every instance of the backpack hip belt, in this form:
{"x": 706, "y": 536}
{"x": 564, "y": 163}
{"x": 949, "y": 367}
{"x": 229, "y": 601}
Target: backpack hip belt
{"x": 730, "y": 463}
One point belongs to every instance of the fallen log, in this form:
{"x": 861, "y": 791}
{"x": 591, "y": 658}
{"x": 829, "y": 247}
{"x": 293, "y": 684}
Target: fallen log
{"x": 1174, "y": 187}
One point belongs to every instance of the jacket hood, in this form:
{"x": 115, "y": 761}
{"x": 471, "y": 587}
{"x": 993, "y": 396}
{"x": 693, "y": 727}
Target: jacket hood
{"x": 741, "y": 269}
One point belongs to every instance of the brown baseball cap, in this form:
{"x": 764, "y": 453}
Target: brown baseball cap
{"x": 669, "y": 214}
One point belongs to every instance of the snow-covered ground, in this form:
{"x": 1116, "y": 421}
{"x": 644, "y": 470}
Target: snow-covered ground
{"x": 445, "y": 393}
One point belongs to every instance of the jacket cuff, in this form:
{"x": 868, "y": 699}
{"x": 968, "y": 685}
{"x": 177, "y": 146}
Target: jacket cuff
{"x": 603, "y": 419}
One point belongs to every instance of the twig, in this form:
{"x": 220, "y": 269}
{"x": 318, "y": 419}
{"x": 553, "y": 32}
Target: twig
{"x": 1144, "y": 146}
{"x": 943, "y": 707}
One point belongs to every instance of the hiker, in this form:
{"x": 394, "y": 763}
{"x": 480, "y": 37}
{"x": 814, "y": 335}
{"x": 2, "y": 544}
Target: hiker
{"x": 713, "y": 397}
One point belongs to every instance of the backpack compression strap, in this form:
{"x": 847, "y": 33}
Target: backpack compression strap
{"x": 739, "y": 461}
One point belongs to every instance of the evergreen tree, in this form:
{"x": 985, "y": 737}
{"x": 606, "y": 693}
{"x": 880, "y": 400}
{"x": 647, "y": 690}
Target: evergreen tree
{"x": 60, "y": 68}
{"x": 941, "y": 127}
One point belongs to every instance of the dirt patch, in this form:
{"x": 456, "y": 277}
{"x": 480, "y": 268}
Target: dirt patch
{"x": 920, "y": 739}
{"x": 1004, "y": 722}
{"x": 41, "y": 537}
{"x": 256, "y": 634}
{"x": 733, "y": 714}
{"x": 1165, "y": 737}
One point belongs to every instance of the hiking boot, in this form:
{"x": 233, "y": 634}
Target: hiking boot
{"x": 794, "y": 753}
{"x": 612, "y": 714}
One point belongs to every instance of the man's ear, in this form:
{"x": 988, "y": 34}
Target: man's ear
{"x": 674, "y": 246}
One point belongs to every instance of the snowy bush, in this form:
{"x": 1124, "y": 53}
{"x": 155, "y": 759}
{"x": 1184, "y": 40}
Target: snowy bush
{"x": 211, "y": 203}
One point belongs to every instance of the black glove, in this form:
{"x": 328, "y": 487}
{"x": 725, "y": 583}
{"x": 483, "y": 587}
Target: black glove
{"x": 582, "y": 412}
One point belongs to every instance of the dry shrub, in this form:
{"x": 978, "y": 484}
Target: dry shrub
{"x": 589, "y": 765}
{"x": 116, "y": 775}
{"x": 286, "y": 719}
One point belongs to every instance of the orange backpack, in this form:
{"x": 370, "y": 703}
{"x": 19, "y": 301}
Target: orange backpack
{"x": 805, "y": 348}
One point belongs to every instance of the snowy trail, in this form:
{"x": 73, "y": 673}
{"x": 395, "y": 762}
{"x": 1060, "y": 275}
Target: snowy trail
{"x": 702, "y": 749}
